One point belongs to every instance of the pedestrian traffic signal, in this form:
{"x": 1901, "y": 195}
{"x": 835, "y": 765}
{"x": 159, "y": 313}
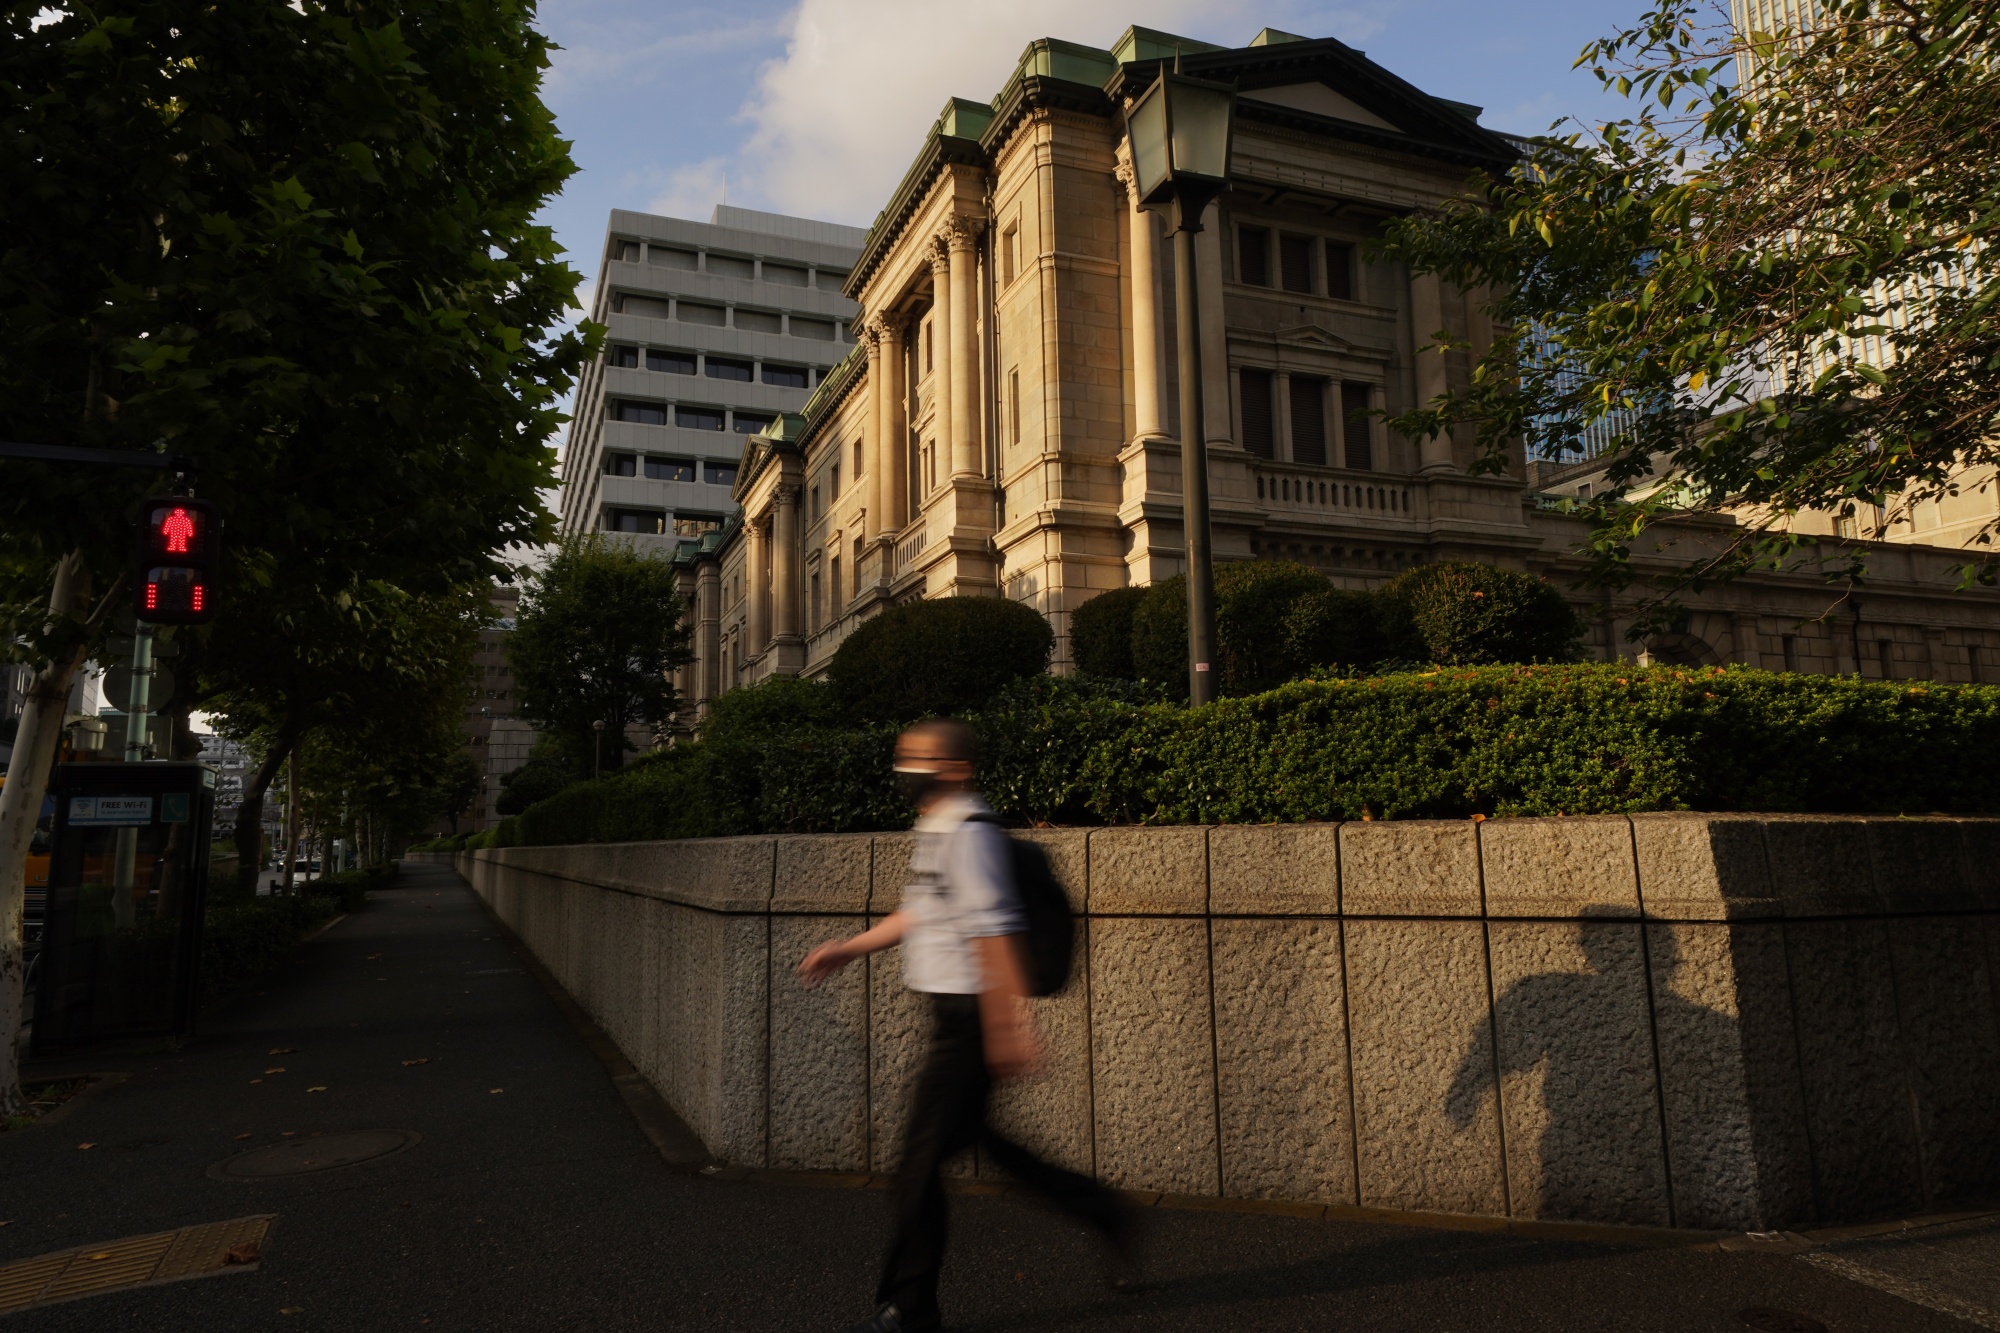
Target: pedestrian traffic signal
{"x": 173, "y": 579}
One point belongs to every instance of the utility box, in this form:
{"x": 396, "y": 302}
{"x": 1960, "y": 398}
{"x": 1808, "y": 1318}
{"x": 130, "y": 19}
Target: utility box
{"x": 128, "y": 881}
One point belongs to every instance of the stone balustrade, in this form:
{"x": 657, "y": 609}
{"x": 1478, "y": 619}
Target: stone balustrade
{"x": 1743, "y": 1022}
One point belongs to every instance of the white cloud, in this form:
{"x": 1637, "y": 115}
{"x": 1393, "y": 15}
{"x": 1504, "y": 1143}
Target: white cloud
{"x": 606, "y": 45}
{"x": 836, "y": 120}
{"x": 692, "y": 191}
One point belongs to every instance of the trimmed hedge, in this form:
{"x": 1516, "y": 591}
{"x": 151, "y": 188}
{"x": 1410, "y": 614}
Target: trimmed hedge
{"x": 926, "y": 658}
{"x": 1100, "y": 634}
{"x": 1439, "y": 744}
{"x": 1467, "y": 614}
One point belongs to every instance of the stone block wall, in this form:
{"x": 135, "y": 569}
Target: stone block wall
{"x": 1708, "y": 1021}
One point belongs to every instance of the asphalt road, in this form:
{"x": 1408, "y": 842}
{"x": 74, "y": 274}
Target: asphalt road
{"x": 534, "y": 1202}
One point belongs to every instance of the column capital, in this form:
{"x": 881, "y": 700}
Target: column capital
{"x": 959, "y": 232}
{"x": 940, "y": 254}
{"x": 882, "y": 328}
{"x": 1127, "y": 178}
{"x": 788, "y": 493}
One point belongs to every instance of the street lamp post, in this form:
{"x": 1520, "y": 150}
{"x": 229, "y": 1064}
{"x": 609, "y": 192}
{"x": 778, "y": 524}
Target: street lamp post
{"x": 597, "y": 749}
{"x": 1180, "y": 131}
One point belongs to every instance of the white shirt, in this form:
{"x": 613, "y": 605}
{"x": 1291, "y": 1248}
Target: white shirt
{"x": 962, "y": 890}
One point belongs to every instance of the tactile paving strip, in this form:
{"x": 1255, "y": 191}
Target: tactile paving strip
{"x": 135, "y": 1261}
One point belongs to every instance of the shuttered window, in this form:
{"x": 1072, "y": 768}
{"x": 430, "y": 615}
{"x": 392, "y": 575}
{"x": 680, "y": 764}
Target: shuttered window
{"x": 1256, "y": 389}
{"x": 1360, "y": 427}
{"x": 1295, "y": 262}
{"x": 1340, "y": 271}
{"x": 1253, "y": 256}
{"x": 1308, "y": 420}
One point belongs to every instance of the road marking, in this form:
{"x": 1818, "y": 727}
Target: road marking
{"x": 1913, "y": 1292}
{"x": 136, "y": 1261}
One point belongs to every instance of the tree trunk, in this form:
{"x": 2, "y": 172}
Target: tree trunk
{"x": 21, "y": 805}
{"x": 250, "y": 814}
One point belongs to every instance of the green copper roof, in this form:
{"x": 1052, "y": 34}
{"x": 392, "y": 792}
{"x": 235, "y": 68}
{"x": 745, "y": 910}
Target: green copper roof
{"x": 1152, "y": 44}
{"x": 962, "y": 119}
{"x": 1272, "y": 37}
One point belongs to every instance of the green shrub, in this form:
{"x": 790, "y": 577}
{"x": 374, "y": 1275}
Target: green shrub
{"x": 1100, "y": 634}
{"x": 1345, "y": 629}
{"x": 1274, "y": 621}
{"x": 928, "y": 658}
{"x": 1254, "y": 600}
{"x": 541, "y": 777}
{"x": 1036, "y": 735}
{"x": 1469, "y": 614}
{"x": 246, "y": 939}
{"x": 1160, "y": 636}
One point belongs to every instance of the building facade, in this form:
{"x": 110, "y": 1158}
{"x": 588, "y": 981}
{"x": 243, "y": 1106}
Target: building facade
{"x": 715, "y": 329}
{"x": 1007, "y": 424}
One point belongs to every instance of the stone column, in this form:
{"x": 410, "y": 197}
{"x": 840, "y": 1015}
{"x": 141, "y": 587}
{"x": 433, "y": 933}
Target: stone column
{"x": 790, "y": 559}
{"x": 1216, "y": 397}
{"x": 892, "y": 452}
{"x": 966, "y": 459}
{"x": 1281, "y": 417}
{"x": 941, "y": 361}
{"x": 1426, "y": 318}
{"x": 759, "y": 574}
{"x": 1148, "y": 415}
{"x": 871, "y": 431}
{"x": 708, "y": 630}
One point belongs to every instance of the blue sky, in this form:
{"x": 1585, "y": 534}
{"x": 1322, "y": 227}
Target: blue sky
{"x": 816, "y": 106}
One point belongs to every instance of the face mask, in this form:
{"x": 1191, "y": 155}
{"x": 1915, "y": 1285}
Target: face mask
{"x": 916, "y": 783}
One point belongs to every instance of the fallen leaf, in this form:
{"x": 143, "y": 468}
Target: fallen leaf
{"x": 256, "y": 1080}
{"x": 284, "y": 1050}
{"x": 288, "y": 1133}
{"x": 373, "y": 956}
{"x": 275, "y": 1069}
{"x": 291, "y": 1309}
{"x": 246, "y": 1253}
{"x": 241, "y": 1137}
{"x": 101, "y": 1254}
{"x": 496, "y": 1089}
{"x": 8, "y": 1223}
{"x": 321, "y": 1088}
{"x": 423, "y": 1060}
{"x": 85, "y": 1147}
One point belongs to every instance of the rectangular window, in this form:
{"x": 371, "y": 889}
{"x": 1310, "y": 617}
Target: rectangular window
{"x": 1010, "y": 254}
{"x": 830, "y": 279}
{"x": 1355, "y": 401}
{"x": 784, "y": 274}
{"x": 645, "y": 307}
{"x": 719, "y": 474}
{"x": 694, "y": 525}
{"x": 785, "y": 377}
{"x": 759, "y": 321}
{"x": 729, "y": 368}
{"x": 1256, "y": 389}
{"x": 927, "y": 347}
{"x": 714, "y": 316}
{"x": 1790, "y": 644}
{"x": 813, "y": 583}
{"x": 625, "y": 358}
{"x": 833, "y": 579}
{"x": 669, "y": 469}
{"x": 648, "y": 521}
{"x": 645, "y": 414}
{"x": 820, "y": 330}
{"x": 1308, "y": 420}
{"x": 1253, "y": 256}
{"x": 833, "y": 483}
{"x": 625, "y": 252}
{"x": 620, "y": 465}
{"x": 752, "y": 423}
{"x": 1014, "y": 404}
{"x": 1339, "y": 271}
{"x": 698, "y": 418}
{"x": 857, "y": 460}
{"x": 816, "y": 509}
{"x": 1295, "y": 263}
{"x": 1885, "y": 654}
{"x": 670, "y": 362}
{"x": 667, "y": 256}
{"x": 730, "y": 266}
{"x": 857, "y": 566}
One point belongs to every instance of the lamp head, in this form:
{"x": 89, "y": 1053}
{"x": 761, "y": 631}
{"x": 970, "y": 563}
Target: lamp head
{"x": 1180, "y": 131}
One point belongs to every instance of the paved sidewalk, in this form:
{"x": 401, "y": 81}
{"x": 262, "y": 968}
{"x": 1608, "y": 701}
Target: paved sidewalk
{"x": 542, "y": 1206}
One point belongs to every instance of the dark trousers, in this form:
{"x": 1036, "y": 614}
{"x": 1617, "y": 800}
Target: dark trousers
{"x": 947, "y": 1116}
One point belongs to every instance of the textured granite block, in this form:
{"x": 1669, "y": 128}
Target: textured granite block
{"x": 827, "y": 872}
{"x": 743, "y": 1002}
{"x": 720, "y": 874}
{"x": 1821, "y": 865}
{"x": 1068, "y": 851}
{"x": 1274, "y": 869}
{"x": 819, "y": 1053}
{"x": 1944, "y": 995}
{"x": 1982, "y": 860}
{"x": 1703, "y": 867}
{"x": 899, "y": 1026}
{"x": 1153, "y": 1054}
{"x": 1410, "y": 868}
{"x": 1049, "y": 1112}
{"x": 1156, "y": 871}
{"x": 1729, "y": 1072}
{"x": 890, "y": 874}
{"x": 1578, "y": 1089}
{"x": 1427, "y": 1120}
{"x": 1281, "y": 1056}
{"x": 1920, "y": 865}
{"x": 1865, "y": 1153}
{"x": 1559, "y": 867}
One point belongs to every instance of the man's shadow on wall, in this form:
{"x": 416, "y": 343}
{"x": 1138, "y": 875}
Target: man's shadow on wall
{"x": 1600, "y": 1155}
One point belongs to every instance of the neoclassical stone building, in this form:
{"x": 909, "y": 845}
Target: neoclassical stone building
{"x": 1007, "y": 422}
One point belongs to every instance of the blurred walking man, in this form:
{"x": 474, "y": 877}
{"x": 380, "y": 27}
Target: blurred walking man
{"x": 962, "y": 929}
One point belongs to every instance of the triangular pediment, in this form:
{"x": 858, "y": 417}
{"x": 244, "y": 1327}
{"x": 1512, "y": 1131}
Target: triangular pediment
{"x": 1320, "y": 100}
{"x": 1312, "y": 335}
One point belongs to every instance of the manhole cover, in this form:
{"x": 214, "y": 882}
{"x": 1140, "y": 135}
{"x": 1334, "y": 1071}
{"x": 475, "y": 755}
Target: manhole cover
{"x": 322, "y": 1152}
{"x": 1779, "y": 1321}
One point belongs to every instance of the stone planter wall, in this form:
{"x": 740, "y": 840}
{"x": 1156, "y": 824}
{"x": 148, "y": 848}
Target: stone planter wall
{"x": 1669, "y": 1020}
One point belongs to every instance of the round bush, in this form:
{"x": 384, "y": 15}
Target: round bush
{"x": 931, "y": 658}
{"x": 1100, "y": 634}
{"x": 1160, "y": 636}
{"x": 1345, "y": 628}
{"x": 1468, "y": 614}
{"x": 1253, "y": 599}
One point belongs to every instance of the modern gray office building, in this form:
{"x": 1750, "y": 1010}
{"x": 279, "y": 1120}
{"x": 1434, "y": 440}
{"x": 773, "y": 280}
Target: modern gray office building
{"x": 716, "y": 328}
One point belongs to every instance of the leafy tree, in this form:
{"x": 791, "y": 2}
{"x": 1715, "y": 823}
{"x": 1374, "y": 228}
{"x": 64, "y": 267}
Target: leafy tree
{"x": 297, "y": 241}
{"x": 1466, "y": 614}
{"x": 929, "y": 658}
{"x": 1776, "y": 290}
{"x": 599, "y": 628}
{"x": 552, "y": 766}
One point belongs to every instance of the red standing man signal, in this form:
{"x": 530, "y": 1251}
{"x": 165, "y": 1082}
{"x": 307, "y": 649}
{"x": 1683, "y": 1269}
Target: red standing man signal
{"x": 179, "y": 539}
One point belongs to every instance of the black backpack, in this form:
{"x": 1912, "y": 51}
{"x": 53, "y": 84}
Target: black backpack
{"x": 1051, "y": 925}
